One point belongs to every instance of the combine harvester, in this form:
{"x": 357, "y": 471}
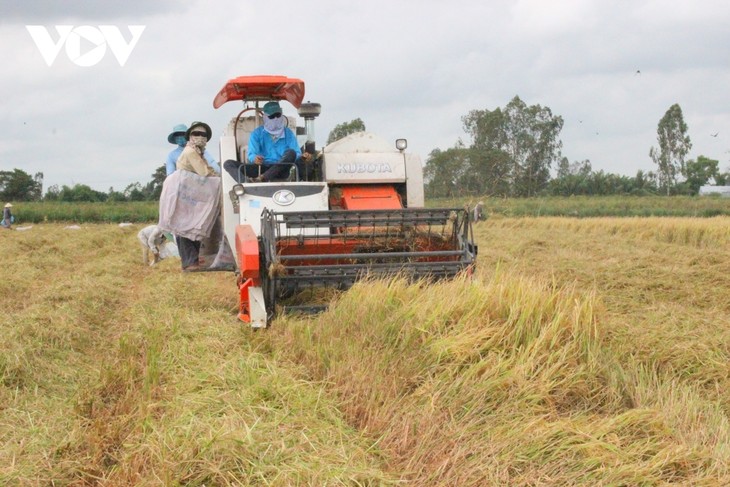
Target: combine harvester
{"x": 357, "y": 212}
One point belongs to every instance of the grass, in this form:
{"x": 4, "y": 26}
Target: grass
{"x": 584, "y": 352}
{"x": 596, "y": 206}
{"x": 580, "y": 206}
{"x": 82, "y": 212}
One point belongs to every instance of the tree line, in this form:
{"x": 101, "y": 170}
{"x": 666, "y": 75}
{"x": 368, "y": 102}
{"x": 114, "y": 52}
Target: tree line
{"x": 17, "y": 185}
{"x": 512, "y": 152}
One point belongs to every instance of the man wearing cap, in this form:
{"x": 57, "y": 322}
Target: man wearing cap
{"x": 178, "y": 137}
{"x": 272, "y": 144}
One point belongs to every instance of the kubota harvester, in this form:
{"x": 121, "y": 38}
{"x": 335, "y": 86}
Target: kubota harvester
{"x": 356, "y": 211}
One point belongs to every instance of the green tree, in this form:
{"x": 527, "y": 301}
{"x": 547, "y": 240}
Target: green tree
{"x": 80, "y": 192}
{"x": 645, "y": 183}
{"x": 444, "y": 171}
{"x": 115, "y": 196}
{"x": 52, "y": 194}
{"x": 571, "y": 179}
{"x": 18, "y": 185}
{"x": 134, "y": 192}
{"x": 700, "y": 172}
{"x": 153, "y": 189}
{"x": 674, "y": 144}
{"x": 525, "y": 138}
{"x": 345, "y": 129}
{"x": 723, "y": 178}
{"x": 487, "y": 172}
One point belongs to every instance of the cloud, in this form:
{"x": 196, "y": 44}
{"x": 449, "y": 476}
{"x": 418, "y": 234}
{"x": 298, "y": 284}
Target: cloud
{"x": 43, "y": 11}
{"x": 407, "y": 69}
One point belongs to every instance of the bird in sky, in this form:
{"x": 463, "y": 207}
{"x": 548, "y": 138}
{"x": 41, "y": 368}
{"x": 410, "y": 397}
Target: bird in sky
{"x": 715, "y": 134}
{"x": 637, "y": 73}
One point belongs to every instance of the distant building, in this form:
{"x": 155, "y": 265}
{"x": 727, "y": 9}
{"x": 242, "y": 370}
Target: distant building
{"x": 723, "y": 191}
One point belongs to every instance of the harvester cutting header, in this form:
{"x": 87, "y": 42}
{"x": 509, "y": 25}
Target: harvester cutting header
{"x": 352, "y": 209}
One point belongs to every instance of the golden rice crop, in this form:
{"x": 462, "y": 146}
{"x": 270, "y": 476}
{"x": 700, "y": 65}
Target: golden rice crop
{"x": 113, "y": 373}
{"x": 505, "y": 381}
{"x": 584, "y": 352}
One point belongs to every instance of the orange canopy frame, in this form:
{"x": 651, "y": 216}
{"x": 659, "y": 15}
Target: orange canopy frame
{"x": 261, "y": 87}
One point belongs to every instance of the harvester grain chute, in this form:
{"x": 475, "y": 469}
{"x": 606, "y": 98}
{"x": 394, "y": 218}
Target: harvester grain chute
{"x": 357, "y": 212}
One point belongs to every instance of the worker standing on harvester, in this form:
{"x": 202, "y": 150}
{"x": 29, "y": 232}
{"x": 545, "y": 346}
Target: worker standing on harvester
{"x": 272, "y": 144}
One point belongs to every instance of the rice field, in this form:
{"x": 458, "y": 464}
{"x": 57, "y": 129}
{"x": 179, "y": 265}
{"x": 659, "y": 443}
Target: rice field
{"x": 31, "y": 212}
{"x": 589, "y": 351}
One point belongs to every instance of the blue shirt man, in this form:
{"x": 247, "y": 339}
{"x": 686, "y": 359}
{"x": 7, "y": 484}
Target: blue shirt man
{"x": 177, "y": 136}
{"x": 267, "y": 148}
{"x": 274, "y": 143}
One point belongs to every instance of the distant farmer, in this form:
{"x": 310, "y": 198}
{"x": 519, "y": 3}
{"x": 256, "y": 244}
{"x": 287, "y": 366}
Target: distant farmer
{"x": 8, "y": 218}
{"x": 177, "y": 136}
{"x": 478, "y": 212}
{"x": 272, "y": 149}
{"x": 151, "y": 240}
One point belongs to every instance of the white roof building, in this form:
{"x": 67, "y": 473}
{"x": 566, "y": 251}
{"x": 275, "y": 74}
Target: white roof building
{"x": 721, "y": 190}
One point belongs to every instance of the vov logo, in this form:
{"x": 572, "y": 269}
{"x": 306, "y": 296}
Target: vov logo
{"x": 96, "y": 40}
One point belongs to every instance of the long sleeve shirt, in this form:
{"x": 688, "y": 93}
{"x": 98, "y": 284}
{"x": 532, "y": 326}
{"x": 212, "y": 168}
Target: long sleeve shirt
{"x": 174, "y": 155}
{"x": 190, "y": 160}
{"x": 151, "y": 236}
{"x": 261, "y": 143}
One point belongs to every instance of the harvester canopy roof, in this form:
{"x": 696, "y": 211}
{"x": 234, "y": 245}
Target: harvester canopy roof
{"x": 261, "y": 87}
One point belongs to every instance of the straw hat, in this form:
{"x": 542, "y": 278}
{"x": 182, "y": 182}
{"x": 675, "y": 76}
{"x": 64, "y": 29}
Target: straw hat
{"x": 8, "y": 205}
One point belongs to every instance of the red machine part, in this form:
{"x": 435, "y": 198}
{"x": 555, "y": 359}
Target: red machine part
{"x": 378, "y": 197}
{"x": 262, "y": 87}
{"x": 247, "y": 248}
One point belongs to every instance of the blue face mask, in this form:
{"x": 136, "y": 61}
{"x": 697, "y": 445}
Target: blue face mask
{"x": 180, "y": 140}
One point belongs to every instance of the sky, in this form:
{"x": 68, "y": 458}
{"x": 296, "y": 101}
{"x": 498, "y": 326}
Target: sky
{"x": 407, "y": 69}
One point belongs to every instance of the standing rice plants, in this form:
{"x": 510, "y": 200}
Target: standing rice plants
{"x": 665, "y": 283}
{"x": 84, "y": 212}
{"x": 595, "y": 206}
{"x": 497, "y": 381}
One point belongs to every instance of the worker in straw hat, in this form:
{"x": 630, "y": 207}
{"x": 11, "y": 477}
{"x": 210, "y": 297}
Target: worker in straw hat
{"x": 8, "y": 218}
{"x": 178, "y": 137}
{"x": 192, "y": 160}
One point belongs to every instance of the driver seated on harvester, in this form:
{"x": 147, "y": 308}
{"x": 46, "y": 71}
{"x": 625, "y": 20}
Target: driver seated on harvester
{"x": 272, "y": 150}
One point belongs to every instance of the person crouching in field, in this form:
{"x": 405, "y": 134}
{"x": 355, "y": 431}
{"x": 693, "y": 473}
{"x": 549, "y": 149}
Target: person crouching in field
{"x": 151, "y": 238}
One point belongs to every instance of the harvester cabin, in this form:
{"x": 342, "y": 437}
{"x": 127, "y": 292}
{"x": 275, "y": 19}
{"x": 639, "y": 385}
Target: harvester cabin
{"x": 244, "y": 125}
